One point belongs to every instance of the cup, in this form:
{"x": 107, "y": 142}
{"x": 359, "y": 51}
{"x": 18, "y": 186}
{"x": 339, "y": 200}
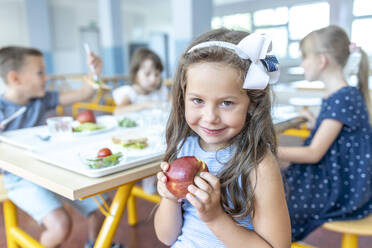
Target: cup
{"x": 60, "y": 127}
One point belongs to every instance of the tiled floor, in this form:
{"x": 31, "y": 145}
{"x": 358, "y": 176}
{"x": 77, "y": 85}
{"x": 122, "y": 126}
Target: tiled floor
{"x": 143, "y": 235}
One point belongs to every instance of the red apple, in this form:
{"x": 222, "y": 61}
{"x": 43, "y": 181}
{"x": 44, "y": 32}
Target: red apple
{"x": 86, "y": 116}
{"x": 181, "y": 174}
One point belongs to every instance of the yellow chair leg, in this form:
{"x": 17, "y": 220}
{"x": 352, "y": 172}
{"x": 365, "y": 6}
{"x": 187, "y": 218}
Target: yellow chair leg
{"x": 23, "y": 239}
{"x": 132, "y": 210}
{"x": 60, "y": 110}
{"x": 10, "y": 219}
{"x": 349, "y": 241}
{"x": 138, "y": 192}
{"x": 111, "y": 222}
{"x": 300, "y": 245}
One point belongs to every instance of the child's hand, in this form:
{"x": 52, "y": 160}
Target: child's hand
{"x": 162, "y": 179}
{"x": 95, "y": 62}
{"x": 309, "y": 116}
{"x": 205, "y": 196}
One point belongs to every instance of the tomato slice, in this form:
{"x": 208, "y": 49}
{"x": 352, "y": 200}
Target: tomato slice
{"x": 104, "y": 152}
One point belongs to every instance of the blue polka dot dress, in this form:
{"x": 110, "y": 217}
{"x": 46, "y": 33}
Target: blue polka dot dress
{"x": 339, "y": 186}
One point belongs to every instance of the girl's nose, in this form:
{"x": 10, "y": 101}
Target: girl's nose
{"x": 210, "y": 114}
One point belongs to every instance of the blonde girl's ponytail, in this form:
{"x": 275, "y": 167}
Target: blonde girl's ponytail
{"x": 363, "y": 75}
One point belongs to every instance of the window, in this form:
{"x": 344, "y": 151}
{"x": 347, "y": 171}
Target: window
{"x": 286, "y": 25}
{"x": 237, "y": 22}
{"x": 272, "y": 17}
{"x": 362, "y": 11}
{"x": 302, "y": 19}
{"x": 362, "y": 8}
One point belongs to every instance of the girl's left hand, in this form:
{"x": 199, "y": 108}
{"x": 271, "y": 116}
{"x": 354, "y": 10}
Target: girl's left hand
{"x": 205, "y": 196}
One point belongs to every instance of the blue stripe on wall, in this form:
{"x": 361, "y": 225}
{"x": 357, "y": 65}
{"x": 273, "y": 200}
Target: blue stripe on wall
{"x": 179, "y": 47}
{"x": 48, "y": 58}
{"x": 113, "y": 60}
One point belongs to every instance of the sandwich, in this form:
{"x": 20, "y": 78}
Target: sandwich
{"x": 131, "y": 142}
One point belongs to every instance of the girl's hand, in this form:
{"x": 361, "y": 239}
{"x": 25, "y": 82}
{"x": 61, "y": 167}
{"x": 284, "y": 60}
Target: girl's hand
{"x": 309, "y": 116}
{"x": 162, "y": 179}
{"x": 95, "y": 62}
{"x": 205, "y": 196}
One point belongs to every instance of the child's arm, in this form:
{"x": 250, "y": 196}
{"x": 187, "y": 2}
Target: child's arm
{"x": 124, "y": 108}
{"x": 70, "y": 97}
{"x": 323, "y": 139}
{"x": 271, "y": 222}
{"x": 168, "y": 217}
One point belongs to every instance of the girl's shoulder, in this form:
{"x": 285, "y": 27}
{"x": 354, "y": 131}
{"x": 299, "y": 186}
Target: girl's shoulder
{"x": 347, "y": 93}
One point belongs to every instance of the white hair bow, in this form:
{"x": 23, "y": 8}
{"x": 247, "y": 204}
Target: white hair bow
{"x": 264, "y": 68}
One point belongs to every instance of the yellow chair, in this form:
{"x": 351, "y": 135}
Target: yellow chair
{"x": 351, "y": 230}
{"x": 301, "y": 245}
{"x": 102, "y": 95}
{"x": 132, "y": 208}
{"x": 14, "y": 235}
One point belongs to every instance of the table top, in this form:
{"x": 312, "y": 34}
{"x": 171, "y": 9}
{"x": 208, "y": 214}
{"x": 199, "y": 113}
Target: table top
{"x": 74, "y": 186}
{"x": 63, "y": 182}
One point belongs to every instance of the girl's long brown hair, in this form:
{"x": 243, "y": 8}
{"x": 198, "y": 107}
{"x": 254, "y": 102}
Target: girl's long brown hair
{"x": 256, "y": 139}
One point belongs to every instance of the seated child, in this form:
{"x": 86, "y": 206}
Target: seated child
{"x": 145, "y": 91}
{"x": 329, "y": 178}
{"x": 23, "y": 71}
{"x": 146, "y": 83}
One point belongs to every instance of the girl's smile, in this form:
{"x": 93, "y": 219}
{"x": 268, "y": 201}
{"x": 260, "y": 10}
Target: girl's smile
{"x": 215, "y": 103}
{"x": 213, "y": 131}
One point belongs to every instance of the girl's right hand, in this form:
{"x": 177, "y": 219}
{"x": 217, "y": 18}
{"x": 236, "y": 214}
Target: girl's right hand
{"x": 162, "y": 179}
{"x": 309, "y": 116}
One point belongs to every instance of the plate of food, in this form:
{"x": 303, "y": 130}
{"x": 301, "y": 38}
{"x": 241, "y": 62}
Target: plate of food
{"x": 101, "y": 158}
{"x": 135, "y": 144}
{"x": 87, "y": 124}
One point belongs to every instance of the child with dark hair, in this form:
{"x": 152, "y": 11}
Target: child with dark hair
{"x": 146, "y": 86}
{"x": 23, "y": 71}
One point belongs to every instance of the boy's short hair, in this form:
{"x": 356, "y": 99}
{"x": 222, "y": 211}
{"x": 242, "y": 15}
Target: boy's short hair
{"x": 12, "y": 58}
{"x": 139, "y": 56}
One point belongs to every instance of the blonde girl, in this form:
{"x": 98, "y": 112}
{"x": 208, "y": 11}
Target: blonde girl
{"x": 330, "y": 175}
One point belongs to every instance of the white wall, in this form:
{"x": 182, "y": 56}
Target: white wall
{"x": 139, "y": 19}
{"x": 13, "y": 29}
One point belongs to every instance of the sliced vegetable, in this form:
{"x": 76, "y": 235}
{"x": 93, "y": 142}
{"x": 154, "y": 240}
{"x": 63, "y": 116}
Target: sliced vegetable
{"x": 107, "y": 161}
{"x": 136, "y": 145}
{"x": 126, "y": 122}
{"x": 88, "y": 126}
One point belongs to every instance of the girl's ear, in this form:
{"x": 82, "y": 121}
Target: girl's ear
{"x": 323, "y": 59}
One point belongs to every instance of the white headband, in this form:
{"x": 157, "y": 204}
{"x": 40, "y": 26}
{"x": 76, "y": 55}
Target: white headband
{"x": 264, "y": 68}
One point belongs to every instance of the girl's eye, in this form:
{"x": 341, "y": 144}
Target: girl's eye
{"x": 197, "y": 100}
{"x": 226, "y": 103}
